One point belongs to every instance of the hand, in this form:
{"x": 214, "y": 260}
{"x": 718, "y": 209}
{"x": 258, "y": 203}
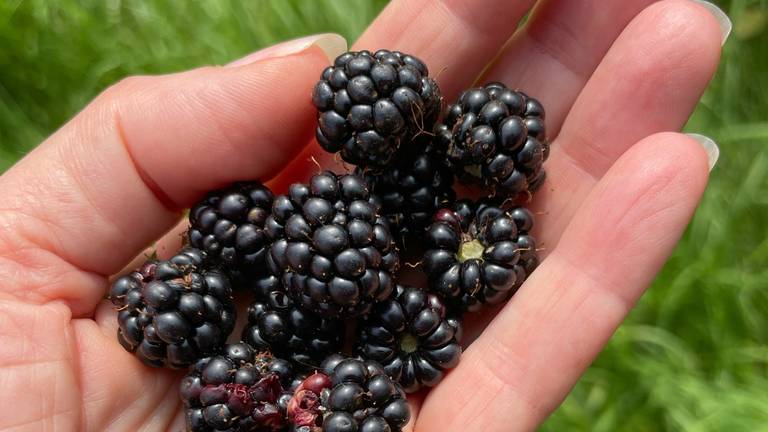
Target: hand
{"x": 614, "y": 76}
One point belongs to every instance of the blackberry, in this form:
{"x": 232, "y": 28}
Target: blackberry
{"x": 412, "y": 338}
{"x": 333, "y": 249}
{"x": 479, "y": 254}
{"x": 277, "y": 325}
{"x": 228, "y": 225}
{"x": 236, "y": 390}
{"x": 173, "y": 312}
{"x": 419, "y": 182}
{"x": 363, "y": 395}
{"x": 354, "y": 396}
{"x": 368, "y": 104}
{"x": 496, "y": 137}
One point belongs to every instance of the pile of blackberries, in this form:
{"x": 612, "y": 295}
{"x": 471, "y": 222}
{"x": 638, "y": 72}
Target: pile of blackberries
{"x": 335, "y": 336}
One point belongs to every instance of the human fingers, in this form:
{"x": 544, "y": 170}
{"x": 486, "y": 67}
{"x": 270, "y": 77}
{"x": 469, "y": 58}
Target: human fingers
{"x": 650, "y": 81}
{"x": 529, "y": 357}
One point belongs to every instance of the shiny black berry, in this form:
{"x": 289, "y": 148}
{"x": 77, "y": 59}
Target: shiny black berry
{"x": 419, "y": 182}
{"x": 276, "y": 324}
{"x": 497, "y": 138}
{"x": 411, "y": 337}
{"x": 238, "y": 389}
{"x": 479, "y": 254}
{"x": 333, "y": 248}
{"x": 228, "y": 225}
{"x": 359, "y": 396}
{"x": 171, "y": 313}
{"x": 370, "y": 103}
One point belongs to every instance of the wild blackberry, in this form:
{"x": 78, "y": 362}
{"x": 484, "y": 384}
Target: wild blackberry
{"x": 173, "y": 312}
{"x": 333, "y": 251}
{"x": 365, "y": 396}
{"x": 228, "y": 225}
{"x": 419, "y": 182}
{"x": 355, "y": 396}
{"x": 236, "y": 390}
{"x": 479, "y": 254}
{"x": 412, "y": 338}
{"x": 368, "y": 104}
{"x": 277, "y": 325}
{"x": 497, "y": 138}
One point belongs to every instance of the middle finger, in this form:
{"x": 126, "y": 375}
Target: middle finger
{"x": 555, "y": 53}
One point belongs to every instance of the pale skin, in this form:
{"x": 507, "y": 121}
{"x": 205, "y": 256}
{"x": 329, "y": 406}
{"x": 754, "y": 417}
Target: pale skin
{"x": 618, "y": 80}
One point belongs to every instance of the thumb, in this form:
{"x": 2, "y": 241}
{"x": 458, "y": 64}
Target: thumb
{"x": 116, "y": 176}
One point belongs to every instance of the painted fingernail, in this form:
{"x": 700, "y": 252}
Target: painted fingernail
{"x": 725, "y": 23}
{"x": 710, "y": 146}
{"x": 332, "y": 45}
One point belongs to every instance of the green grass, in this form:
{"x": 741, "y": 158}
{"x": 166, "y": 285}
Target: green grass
{"x": 692, "y": 356}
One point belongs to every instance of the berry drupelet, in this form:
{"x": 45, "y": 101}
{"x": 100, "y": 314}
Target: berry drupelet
{"x": 496, "y": 137}
{"x": 171, "y": 313}
{"x": 370, "y": 104}
{"x": 479, "y": 254}
{"x": 236, "y": 390}
{"x": 333, "y": 249}
{"x": 412, "y": 338}
{"x": 305, "y": 410}
{"x": 419, "y": 182}
{"x": 275, "y": 324}
{"x": 228, "y": 225}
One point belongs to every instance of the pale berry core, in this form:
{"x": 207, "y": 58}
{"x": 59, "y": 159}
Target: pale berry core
{"x": 409, "y": 343}
{"x": 472, "y": 249}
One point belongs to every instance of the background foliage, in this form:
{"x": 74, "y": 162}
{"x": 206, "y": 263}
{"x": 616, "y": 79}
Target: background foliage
{"x": 693, "y": 355}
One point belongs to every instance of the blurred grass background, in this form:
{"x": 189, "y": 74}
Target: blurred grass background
{"x": 694, "y": 354}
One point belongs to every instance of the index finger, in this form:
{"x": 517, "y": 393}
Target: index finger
{"x": 456, "y": 38}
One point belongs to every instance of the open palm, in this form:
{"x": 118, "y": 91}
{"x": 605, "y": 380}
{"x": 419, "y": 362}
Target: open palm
{"x": 613, "y": 75}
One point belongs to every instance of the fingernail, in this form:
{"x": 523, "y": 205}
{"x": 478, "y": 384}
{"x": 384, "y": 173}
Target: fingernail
{"x": 710, "y": 146}
{"x": 725, "y": 23}
{"x": 332, "y": 45}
